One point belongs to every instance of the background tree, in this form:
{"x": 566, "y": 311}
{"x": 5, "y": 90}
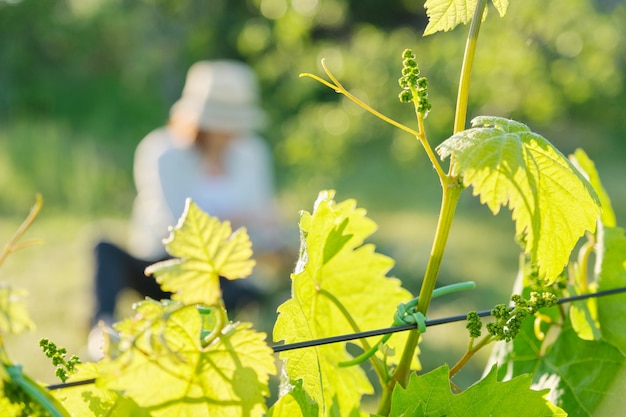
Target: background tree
{"x": 83, "y": 81}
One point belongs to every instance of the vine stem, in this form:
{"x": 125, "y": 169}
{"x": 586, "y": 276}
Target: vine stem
{"x": 450, "y": 198}
{"x": 431, "y": 155}
{"x": 448, "y": 207}
{"x": 466, "y": 70}
{"x": 451, "y": 193}
{"x": 13, "y": 245}
{"x": 471, "y": 351}
{"x": 452, "y": 188}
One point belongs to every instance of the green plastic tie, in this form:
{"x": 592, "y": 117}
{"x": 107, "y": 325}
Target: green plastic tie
{"x": 406, "y": 313}
{"x": 36, "y": 392}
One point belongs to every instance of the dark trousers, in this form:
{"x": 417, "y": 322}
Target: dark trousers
{"x": 117, "y": 270}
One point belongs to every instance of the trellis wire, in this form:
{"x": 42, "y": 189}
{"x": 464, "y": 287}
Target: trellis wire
{"x": 377, "y": 332}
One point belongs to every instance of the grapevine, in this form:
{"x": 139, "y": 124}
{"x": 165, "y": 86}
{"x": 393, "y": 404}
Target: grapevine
{"x": 185, "y": 356}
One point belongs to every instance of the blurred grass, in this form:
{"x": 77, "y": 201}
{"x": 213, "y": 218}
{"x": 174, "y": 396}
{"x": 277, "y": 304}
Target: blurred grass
{"x": 72, "y": 170}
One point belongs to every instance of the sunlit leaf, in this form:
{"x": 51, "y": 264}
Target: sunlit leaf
{"x": 161, "y": 365}
{"x": 584, "y": 377}
{"x": 445, "y": 15}
{"x": 612, "y": 309}
{"x": 586, "y": 165}
{"x": 335, "y": 261}
{"x": 14, "y": 316}
{"x": 487, "y": 397}
{"x": 507, "y": 164}
{"x": 90, "y": 400}
{"x": 584, "y": 314}
{"x": 205, "y": 249}
{"x": 10, "y": 409}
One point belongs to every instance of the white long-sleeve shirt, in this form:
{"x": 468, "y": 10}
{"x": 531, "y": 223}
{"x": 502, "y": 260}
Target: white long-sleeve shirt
{"x": 167, "y": 174}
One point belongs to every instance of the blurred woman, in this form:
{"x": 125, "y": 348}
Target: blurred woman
{"x": 208, "y": 152}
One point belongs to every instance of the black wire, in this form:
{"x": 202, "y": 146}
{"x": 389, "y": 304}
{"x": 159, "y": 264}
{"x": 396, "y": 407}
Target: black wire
{"x": 72, "y": 384}
{"x": 380, "y": 332}
{"x": 434, "y": 322}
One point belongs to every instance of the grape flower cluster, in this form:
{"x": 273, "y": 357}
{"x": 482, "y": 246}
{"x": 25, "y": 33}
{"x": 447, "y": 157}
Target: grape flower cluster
{"x": 414, "y": 87}
{"x": 508, "y": 319}
{"x": 64, "y": 368}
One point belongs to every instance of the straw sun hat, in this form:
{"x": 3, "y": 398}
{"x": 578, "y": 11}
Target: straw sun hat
{"x": 221, "y": 96}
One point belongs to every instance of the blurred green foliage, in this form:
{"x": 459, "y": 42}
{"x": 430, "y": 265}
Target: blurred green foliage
{"x": 83, "y": 81}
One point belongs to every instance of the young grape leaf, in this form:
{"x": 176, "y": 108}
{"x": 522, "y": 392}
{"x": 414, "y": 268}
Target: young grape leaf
{"x": 584, "y": 377}
{"x": 507, "y": 164}
{"x": 610, "y": 257}
{"x": 612, "y": 309}
{"x": 487, "y": 397}
{"x": 584, "y": 314}
{"x": 206, "y": 249}
{"x": 336, "y": 271}
{"x": 158, "y": 361}
{"x": 584, "y": 164}
{"x": 14, "y": 316}
{"x": 90, "y": 400}
{"x": 445, "y": 15}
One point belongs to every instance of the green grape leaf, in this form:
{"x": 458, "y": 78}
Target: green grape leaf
{"x": 158, "y": 361}
{"x": 91, "y": 400}
{"x": 507, "y": 164}
{"x": 584, "y": 314}
{"x": 487, "y": 397}
{"x": 612, "y": 309}
{"x": 586, "y": 378}
{"x": 445, "y": 15}
{"x": 336, "y": 271}
{"x": 584, "y": 164}
{"x": 205, "y": 249}
{"x": 295, "y": 403}
{"x": 14, "y": 316}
